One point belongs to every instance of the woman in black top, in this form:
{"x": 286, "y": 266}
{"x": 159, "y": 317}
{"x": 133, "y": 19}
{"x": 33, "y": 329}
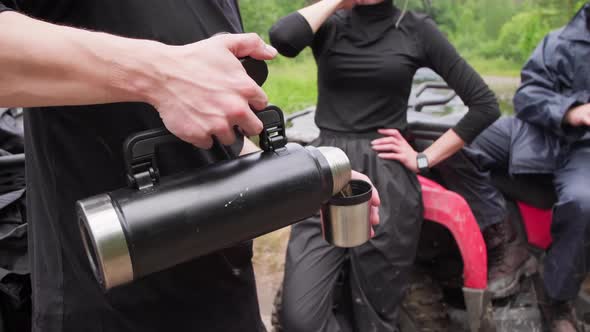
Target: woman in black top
{"x": 367, "y": 52}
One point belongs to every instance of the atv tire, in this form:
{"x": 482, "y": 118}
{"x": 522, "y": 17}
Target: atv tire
{"x": 424, "y": 309}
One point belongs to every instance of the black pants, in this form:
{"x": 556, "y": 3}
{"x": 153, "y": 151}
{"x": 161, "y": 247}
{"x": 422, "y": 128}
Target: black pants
{"x": 567, "y": 260}
{"x": 379, "y": 270}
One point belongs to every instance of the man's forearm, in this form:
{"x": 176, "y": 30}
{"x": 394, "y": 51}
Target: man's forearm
{"x": 46, "y": 65}
{"x": 200, "y": 90}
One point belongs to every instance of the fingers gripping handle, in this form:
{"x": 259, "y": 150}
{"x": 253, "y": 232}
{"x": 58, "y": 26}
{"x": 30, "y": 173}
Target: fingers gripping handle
{"x": 139, "y": 148}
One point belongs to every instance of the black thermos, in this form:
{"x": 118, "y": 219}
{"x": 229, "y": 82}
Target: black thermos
{"x": 157, "y": 223}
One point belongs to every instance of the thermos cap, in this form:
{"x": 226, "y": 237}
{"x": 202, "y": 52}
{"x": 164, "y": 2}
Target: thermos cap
{"x": 339, "y": 165}
{"x": 104, "y": 241}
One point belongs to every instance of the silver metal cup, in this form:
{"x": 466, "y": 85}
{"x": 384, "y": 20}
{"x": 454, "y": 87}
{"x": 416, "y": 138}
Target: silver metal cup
{"x": 346, "y": 220}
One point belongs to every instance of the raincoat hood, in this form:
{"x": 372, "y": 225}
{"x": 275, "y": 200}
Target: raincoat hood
{"x": 578, "y": 29}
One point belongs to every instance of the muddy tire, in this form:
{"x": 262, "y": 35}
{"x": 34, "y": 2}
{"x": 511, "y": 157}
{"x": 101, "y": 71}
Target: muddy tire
{"x": 424, "y": 309}
{"x": 275, "y": 322}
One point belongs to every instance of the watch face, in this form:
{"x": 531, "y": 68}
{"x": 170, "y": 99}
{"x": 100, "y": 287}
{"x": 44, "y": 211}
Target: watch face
{"x": 422, "y": 162}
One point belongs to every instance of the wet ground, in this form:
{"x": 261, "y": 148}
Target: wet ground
{"x": 269, "y": 250}
{"x": 269, "y": 258}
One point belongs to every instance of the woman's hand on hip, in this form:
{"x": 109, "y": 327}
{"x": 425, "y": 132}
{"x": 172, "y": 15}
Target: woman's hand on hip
{"x": 395, "y": 147}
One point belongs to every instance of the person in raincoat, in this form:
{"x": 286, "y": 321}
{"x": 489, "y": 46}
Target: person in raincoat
{"x": 550, "y": 134}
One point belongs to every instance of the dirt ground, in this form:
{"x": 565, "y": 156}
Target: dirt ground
{"x": 269, "y": 261}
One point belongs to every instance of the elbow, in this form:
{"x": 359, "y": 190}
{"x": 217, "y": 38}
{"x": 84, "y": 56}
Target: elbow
{"x": 489, "y": 108}
{"x": 282, "y": 41}
{"x": 490, "y": 113}
{"x": 291, "y": 34}
{"x": 492, "y": 107}
{"x": 520, "y": 101}
{"x": 495, "y": 113}
{"x": 523, "y": 105}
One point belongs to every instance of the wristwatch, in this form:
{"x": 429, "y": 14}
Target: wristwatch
{"x": 422, "y": 162}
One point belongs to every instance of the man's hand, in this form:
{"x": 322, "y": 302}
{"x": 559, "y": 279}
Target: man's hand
{"x": 578, "y": 116}
{"x": 395, "y": 147}
{"x": 375, "y": 200}
{"x": 202, "y": 90}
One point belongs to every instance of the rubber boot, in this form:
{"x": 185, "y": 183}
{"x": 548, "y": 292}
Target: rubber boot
{"x": 508, "y": 259}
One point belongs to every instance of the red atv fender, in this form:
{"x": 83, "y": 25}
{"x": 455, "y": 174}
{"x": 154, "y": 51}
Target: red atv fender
{"x": 452, "y": 211}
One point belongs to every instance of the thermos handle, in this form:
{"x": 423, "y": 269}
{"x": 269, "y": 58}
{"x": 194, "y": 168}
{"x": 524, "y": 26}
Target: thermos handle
{"x": 273, "y": 135}
{"x": 139, "y": 149}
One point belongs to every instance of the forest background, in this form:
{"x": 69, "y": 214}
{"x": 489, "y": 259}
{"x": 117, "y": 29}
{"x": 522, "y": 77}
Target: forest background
{"x": 495, "y": 36}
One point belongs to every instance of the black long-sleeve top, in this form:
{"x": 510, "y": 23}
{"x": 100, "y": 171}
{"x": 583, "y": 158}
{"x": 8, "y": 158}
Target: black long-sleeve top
{"x": 366, "y": 65}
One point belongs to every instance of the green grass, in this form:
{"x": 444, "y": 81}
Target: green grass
{"x": 292, "y": 84}
{"x": 495, "y": 67}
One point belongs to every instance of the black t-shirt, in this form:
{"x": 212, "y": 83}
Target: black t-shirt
{"x": 76, "y": 152}
{"x": 366, "y": 65}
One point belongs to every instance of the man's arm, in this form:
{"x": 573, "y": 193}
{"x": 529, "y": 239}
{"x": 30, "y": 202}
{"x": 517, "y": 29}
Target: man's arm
{"x": 199, "y": 89}
{"x": 539, "y": 100}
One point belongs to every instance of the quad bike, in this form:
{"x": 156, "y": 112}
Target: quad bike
{"x": 449, "y": 287}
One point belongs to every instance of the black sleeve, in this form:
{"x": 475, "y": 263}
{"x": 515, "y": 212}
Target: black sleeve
{"x": 443, "y": 58}
{"x": 291, "y": 34}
